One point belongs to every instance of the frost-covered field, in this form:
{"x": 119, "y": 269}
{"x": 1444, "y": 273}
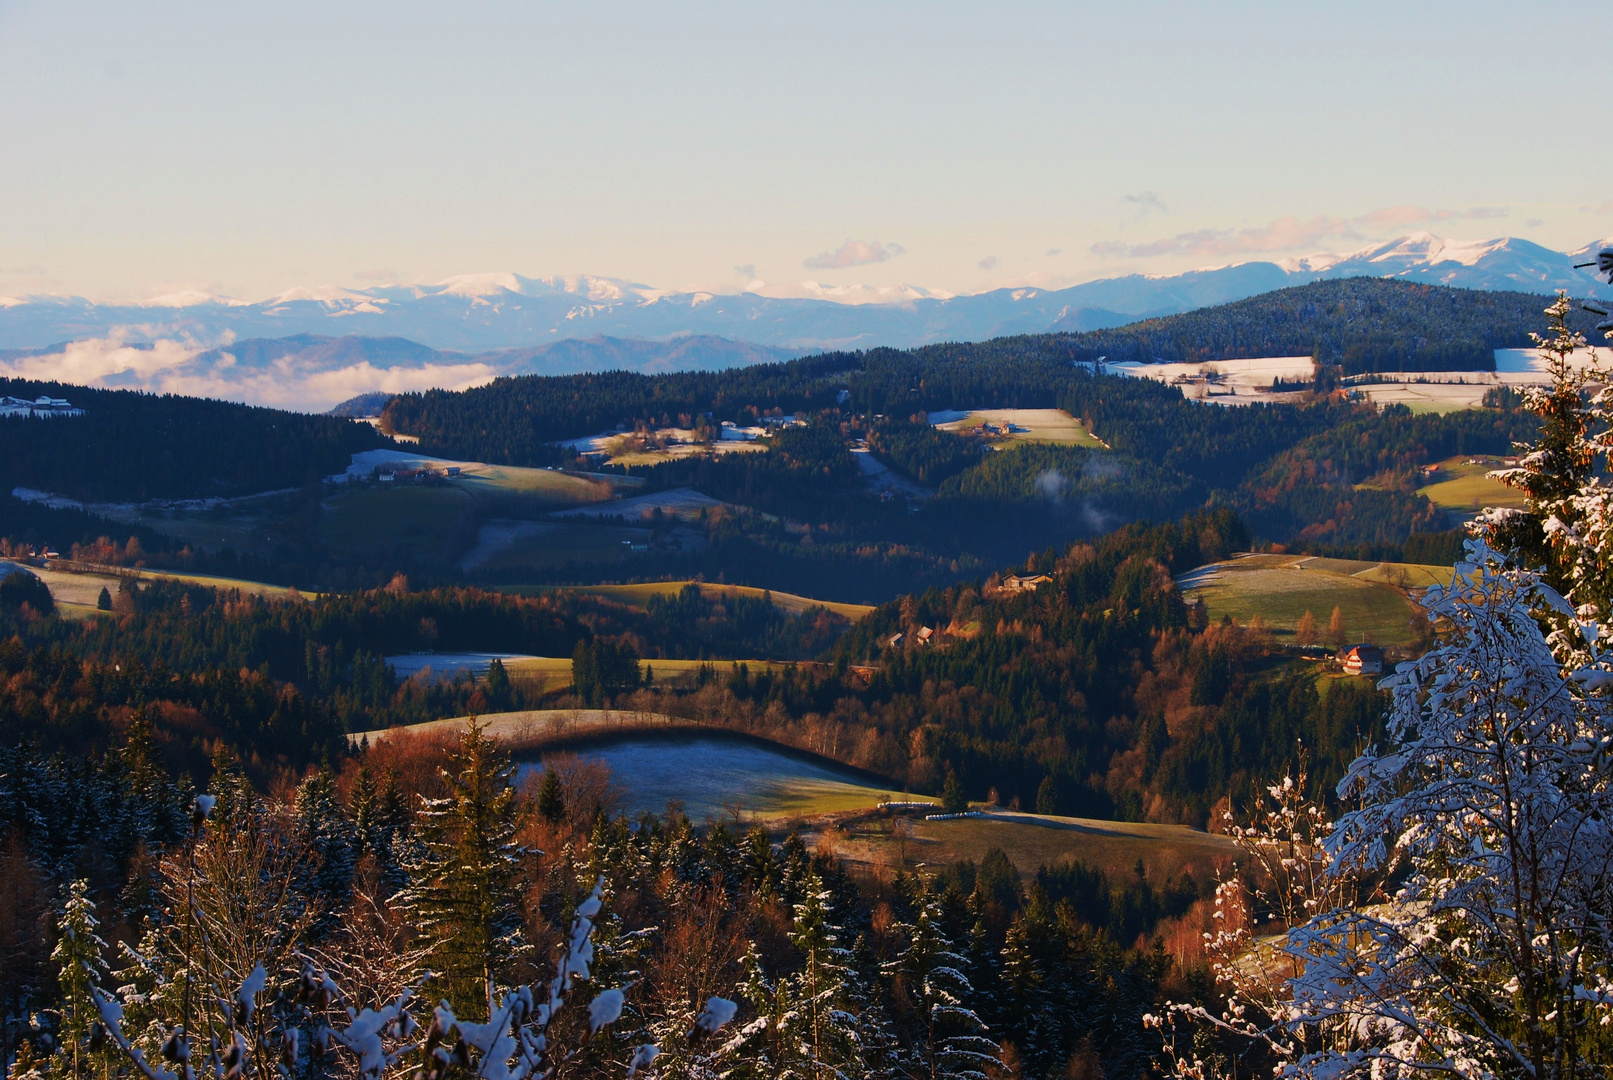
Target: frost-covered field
{"x": 447, "y": 665}
{"x": 1225, "y": 382}
{"x": 479, "y": 477}
{"x": 1244, "y": 382}
{"x": 684, "y": 503}
{"x": 715, "y": 777}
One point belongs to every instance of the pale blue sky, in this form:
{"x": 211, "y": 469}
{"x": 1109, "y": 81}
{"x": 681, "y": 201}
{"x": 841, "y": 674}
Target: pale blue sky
{"x": 244, "y": 149}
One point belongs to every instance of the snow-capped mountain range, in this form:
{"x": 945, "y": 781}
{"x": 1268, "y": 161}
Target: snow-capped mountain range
{"x": 480, "y": 312}
{"x": 309, "y": 349}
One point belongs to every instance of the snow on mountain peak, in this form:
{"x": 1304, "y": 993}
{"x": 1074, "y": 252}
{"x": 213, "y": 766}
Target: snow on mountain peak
{"x": 1592, "y": 249}
{"x": 1426, "y": 249}
{"x": 476, "y": 286}
{"x": 1314, "y": 263}
{"x": 871, "y": 294}
{"x": 191, "y": 298}
{"x": 329, "y": 295}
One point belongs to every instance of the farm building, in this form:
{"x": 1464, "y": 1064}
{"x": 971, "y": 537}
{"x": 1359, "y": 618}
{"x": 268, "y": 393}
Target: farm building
{"x": 43, "y": 407}
{"x": 1024, "y": 583}
{"x": 1363, "y": 660}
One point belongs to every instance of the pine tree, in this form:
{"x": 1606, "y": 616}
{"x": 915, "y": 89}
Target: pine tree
{"x": 323, "y": 825}
{"x": 953, "y": 800}
{"x": 463, "y": 894}
{"x": 1047, "y": 796}
{"x": 104, "y": 601}
{"x": 500, "y": 693}
{"x": 551, "y": 798}
{"x": 80, "y": 969}
{"x": 231, "y": 788}
{"x": 1030, "y": 988}
{"x": 363, "y": 805}
{"x": 1557, "y": 466}
{"x": 823, "y": 1031}
{"x": 949, "y": 1039}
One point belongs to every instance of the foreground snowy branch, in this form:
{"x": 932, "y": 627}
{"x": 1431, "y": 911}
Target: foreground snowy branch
{"x": 513, "y": 1044}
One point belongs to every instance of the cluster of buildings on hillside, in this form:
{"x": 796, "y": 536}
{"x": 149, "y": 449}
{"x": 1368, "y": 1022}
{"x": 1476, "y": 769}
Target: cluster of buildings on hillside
{"x": 33, "y": 554}
{"x": 989, "y": 430}
{"x": 388, "y": 473}
{"x": 42, "y": 406}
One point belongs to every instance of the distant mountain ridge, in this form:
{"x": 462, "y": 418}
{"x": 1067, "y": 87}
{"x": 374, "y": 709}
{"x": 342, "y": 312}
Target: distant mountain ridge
{"x": 309, "y": 353}
{"x": 481, "y": 313}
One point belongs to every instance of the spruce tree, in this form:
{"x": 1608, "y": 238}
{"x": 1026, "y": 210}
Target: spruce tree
{"x": 819, "y": 1025}
{"x": 463, "y": 893}
{"x": 363, "y": 805}
{"x": 949, "y": 1037}
{"x": 500, "y": 693}
{"x": 323, "y": 825}
{"x": 80, "y": 970}
{"x": 953, "y": 800}
{"x": 551, "y": 798}
{"x": 1029, "y": 995}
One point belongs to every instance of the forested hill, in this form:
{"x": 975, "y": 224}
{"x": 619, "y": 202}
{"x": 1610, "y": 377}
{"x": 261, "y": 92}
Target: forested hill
{"x": 131, "y": 446}
{"x": 1364, "y": 324}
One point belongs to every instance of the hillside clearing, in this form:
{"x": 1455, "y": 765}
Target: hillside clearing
{"x": 639, "y": 595}
{"x": 1463, "y": 483}
{"x": 685, "y": 504}
{"x": 1227, "y": 382}
{"x": 76, "y": 592}
{"x": 545, "y": 674}
{"x": 1030, "y": 841}
{"x": 550, "y": 485}
{"x": 504, "y": 546}
{"x": 1280, "y": 589}
{"x": 1038, "y": 425}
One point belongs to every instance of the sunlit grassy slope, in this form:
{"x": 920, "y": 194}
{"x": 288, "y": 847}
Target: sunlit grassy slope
{"x": 1464, "y": 486}
{"x": 1280, "y": 589}
{"x": 639, "y": 595}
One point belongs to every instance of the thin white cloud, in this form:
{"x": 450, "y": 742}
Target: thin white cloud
{"x": 1289, "y": 233}
{"x": 168, "y": 366}
{"x": 853, "y": 253}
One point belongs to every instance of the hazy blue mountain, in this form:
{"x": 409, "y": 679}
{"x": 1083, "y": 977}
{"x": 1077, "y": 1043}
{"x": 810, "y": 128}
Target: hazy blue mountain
{"x": 481, "y": 313}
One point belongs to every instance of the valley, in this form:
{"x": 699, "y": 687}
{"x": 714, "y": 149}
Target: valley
{"x": 997, "y": 618}
{"x": 805, "y": 542}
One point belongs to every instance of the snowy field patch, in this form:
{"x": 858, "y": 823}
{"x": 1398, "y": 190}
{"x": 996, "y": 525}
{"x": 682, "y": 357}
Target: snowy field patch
{"x": 446, "y": 665}
{"x": 716, "y": 777}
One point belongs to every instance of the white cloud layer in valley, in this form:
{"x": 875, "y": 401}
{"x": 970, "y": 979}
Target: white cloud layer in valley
{"x": 170, "y": 366}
